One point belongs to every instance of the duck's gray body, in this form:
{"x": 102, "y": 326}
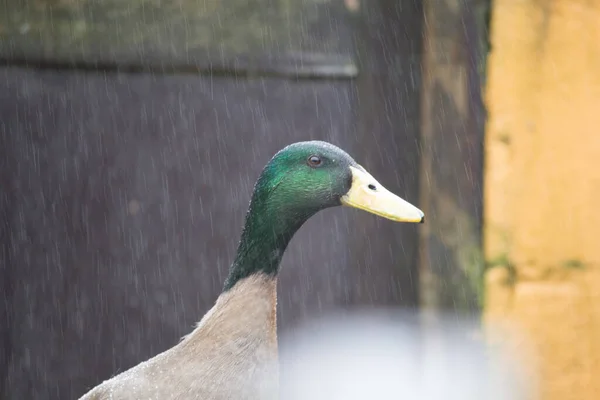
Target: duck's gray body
{"x": 232, "y": 354}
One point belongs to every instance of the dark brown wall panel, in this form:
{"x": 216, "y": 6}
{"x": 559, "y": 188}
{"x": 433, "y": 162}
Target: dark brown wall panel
{"x": 123, "y": 195}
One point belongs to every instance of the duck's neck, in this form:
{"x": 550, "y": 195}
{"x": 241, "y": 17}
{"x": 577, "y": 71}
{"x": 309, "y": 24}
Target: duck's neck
{"x": 271, "y": 222}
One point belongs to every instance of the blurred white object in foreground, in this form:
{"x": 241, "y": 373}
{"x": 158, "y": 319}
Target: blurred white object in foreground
{"x": 390, "y": 355}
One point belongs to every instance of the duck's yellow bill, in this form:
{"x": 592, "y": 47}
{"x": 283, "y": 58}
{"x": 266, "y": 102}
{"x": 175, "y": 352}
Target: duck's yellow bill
{"x": 369, "y": 195}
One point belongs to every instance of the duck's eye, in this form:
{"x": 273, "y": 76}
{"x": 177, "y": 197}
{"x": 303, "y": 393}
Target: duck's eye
{"x": 314, "y": 161}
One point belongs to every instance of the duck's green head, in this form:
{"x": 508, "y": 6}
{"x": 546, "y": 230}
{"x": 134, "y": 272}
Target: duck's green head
{"x": 299, "y": 181}
{"x": 306, "y": 177}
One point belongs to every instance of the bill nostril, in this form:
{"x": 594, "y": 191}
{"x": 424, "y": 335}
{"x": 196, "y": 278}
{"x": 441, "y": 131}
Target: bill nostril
{"x": 372, "y": 187}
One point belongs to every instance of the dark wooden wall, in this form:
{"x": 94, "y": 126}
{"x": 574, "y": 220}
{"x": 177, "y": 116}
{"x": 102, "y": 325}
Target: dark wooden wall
{"x": 123, "y": 193}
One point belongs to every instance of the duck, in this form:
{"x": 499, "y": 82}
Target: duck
{"x": 232, "y": 353}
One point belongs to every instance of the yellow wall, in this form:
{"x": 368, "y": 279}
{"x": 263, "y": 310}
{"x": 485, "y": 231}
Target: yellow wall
{"x": 542, "y": 187}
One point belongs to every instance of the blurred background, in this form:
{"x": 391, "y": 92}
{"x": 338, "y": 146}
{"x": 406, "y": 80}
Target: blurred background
{"x": 132, "y": 132}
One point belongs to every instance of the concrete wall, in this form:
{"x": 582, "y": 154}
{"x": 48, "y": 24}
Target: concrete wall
{"x": 542, "y": 196}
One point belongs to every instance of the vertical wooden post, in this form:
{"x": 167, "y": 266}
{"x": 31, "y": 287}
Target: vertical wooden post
{"x": 452, "y": 156}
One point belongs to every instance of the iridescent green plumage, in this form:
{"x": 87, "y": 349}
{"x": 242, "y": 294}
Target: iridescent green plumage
{"x": 288, "y": 192}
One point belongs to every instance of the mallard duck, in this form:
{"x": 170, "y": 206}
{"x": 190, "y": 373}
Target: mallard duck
{"x": 232, "y": 353}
